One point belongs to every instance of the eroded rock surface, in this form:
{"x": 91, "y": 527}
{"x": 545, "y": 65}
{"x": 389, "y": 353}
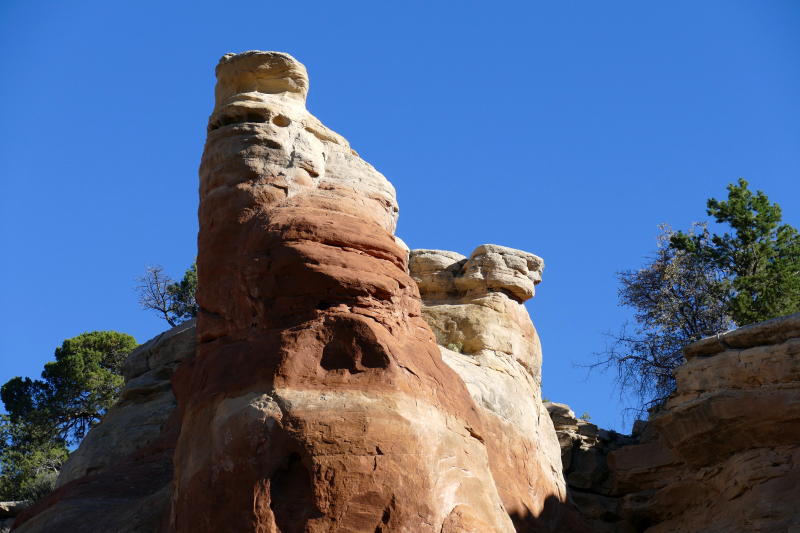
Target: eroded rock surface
{"x": 318, "y": 399}
{"x": 733, "y": 430}
{"x": 584, "y": 456}
{"x": 723, "y": 453}
{"x": 475, "y": 307}
{"x": 9, "y": 511}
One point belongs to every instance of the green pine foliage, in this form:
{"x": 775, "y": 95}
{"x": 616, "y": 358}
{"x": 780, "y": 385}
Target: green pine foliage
{"x": 45, "y": 417}
{"x": 760, "y": 256}
{"x": 183, "y": 304}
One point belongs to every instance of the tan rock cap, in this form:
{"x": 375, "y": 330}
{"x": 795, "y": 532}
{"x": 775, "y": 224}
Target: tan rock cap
{"x": 257, "y": 72}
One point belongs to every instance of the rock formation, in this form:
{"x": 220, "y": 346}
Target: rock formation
{"x": 475, "y": 308}
{"x": 584, "y": 453}
{"x": 8, "y": 513}
{"x": 318, "y": 400}
{"x": 726, "y": 457}
{"x": 722, "y": 454}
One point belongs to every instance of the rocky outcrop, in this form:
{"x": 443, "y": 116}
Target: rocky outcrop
{"x": 9, "y": 511}
{"x": 145, "y": 403}
{"x": 475, "y": 308}
{"x": 584, "y": 456}
{"x": 120, "y": 477}
{"x": 727, "y": 452}
{"x": 722, "y": 454}
{"x": 318, "y": 399}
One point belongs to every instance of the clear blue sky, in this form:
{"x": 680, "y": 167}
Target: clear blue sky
{"x": 567, "y": 129}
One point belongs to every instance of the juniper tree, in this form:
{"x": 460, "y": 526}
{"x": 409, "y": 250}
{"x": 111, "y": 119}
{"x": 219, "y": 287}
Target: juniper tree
{"x": 45, "y": 417}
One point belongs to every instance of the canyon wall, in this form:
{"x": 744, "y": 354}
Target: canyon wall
{"x": 721, "y": 455}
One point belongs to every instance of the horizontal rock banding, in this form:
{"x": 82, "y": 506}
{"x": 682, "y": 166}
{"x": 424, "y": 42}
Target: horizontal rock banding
{"x": 318, "y": 399}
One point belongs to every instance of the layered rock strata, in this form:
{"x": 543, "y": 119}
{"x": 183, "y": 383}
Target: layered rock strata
{"x": 475, "y": 307}
{"x": 120, "y": 477}
{"x": 722, "y": 454}
{"x": 726, "y": 456}
{"x": 318, "y": 400}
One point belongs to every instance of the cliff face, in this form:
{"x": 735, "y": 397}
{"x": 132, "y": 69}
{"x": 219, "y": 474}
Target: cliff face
{"x": 723, "y": 453}
{"x": 728, "y": 445}
{"x": 475, "y": 307}
{"x": 318, "y": 399}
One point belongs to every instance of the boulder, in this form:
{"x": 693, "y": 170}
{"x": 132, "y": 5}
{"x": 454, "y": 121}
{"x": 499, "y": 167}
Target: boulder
{"x": 12, "y": 509}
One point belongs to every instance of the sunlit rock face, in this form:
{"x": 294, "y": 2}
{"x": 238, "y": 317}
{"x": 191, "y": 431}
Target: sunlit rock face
{"x": 724, "y": 453}
{"x": 318, "y": 400}
{"x": 475, "y": 307}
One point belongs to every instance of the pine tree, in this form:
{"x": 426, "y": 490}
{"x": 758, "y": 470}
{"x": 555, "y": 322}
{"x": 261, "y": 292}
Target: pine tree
{"x": 760, "y": 256}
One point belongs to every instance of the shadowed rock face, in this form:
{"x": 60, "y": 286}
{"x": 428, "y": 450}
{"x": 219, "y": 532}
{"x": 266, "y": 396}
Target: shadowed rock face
{"x": 318, "y": 399}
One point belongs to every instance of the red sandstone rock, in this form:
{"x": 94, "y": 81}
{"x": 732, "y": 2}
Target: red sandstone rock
{"x": 318, "y": 400}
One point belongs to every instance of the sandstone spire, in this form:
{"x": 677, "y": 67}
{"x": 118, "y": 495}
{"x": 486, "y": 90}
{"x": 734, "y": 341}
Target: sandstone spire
{"x": 318, "y": 400}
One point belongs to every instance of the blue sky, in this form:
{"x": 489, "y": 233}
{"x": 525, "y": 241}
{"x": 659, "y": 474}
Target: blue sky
{"x": 567, "y": 129}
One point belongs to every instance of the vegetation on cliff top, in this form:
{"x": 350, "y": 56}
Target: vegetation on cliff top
{"x": 46, "y": 417}
{"x": 698, "y": 284}
{"x": 172, "y": 300}
{"x": 760, "y": 258}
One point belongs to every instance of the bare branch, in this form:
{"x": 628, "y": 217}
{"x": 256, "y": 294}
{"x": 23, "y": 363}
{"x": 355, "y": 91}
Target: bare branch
{"x": 677, "y": 299}
{"x": 154, "y": 293}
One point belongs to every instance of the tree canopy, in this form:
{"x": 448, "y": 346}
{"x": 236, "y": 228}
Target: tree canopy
{"x": 44, "y": 417}
{"x": 676, "y": 300}
{"x": 697, "y": 284}
{"x": 760, "y": 257}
